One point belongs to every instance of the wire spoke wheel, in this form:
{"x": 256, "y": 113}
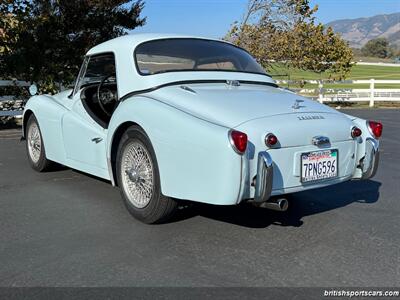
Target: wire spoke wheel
{"x": 35, "y": 149}
{"x": 137, "y": 174}
{"x": 139, "y": 179}
{"x": 34, "y": 142}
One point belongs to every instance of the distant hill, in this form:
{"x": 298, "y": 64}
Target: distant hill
{"x": 359, "y": 31}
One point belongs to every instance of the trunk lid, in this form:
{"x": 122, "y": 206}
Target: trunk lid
{"x": 298, "y": 129}
{"x": 231, "y": 106}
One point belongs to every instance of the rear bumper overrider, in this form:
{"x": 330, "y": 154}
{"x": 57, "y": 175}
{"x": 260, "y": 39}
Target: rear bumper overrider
{"x": 264, "y": 178}
{"x": 369, "y": 163}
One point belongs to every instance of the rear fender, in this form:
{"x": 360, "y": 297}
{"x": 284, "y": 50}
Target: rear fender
{"x": 195, "y": 159}
{"x": 361, "y": 143}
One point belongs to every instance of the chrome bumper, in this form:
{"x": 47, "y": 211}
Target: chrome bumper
{"x": 264, "y": 177}
{"x": 369, "y": 163}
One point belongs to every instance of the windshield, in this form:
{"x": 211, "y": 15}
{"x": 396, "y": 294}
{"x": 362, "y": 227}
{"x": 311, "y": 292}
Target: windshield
{"x": 174, "y": 55}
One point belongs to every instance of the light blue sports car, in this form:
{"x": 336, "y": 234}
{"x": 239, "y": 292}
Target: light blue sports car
{"x": 167, "y": 117}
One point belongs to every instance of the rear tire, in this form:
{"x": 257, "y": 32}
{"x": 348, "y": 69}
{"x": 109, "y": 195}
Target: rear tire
{"x": 139, "y": 180}
{"x": 35, "y": 146}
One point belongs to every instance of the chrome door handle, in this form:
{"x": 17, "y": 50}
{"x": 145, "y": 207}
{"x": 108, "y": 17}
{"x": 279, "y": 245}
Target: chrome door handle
{"x": 97, "y": 140}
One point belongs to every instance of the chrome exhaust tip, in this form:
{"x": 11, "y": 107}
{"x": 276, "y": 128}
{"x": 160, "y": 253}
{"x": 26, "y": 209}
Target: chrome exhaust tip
{"x": 280, "y": 204}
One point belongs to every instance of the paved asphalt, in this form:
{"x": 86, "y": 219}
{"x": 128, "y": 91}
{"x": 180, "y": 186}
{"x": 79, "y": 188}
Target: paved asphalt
{"x": 65, "y": 228}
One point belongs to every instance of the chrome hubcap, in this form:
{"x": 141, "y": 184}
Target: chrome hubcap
{"x": 34, "y": 143}
{"x": 137, "y": 174}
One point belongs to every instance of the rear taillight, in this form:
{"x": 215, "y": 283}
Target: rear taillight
{"x": 375, "y": 128}
{"x": 271, "y": 140}
{"x": 238, "y": 141}
{"x": 355, "y": 132}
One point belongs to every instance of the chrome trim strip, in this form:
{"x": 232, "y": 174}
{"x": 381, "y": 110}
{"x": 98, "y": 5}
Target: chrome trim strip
{"x": 264, "y": 177}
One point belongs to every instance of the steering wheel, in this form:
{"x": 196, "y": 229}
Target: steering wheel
{"x": 100, "y": 98}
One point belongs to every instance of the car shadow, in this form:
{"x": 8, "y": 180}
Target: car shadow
{"x": 301, "y": 204}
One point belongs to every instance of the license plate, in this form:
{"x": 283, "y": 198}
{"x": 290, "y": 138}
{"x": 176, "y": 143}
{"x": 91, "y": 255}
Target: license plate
{"x": 319, "y": 165}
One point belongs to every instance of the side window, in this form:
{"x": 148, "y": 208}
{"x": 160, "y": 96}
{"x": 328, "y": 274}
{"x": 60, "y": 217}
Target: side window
{"x": 82, "y": 71}
{"x": 95, "y": 68}
{"x": 98, "y": 86}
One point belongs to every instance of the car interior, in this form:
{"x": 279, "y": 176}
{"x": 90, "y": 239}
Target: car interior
{"x": 99, "y": 93}
{"x": 100, "y": 104}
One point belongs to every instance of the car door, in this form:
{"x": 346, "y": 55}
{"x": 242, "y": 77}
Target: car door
{"x": 84, "y": 137}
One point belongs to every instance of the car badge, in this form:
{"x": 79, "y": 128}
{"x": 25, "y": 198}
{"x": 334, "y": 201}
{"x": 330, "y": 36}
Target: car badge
{"x": 233, "y": 82}
{"x": 296, "y": 104}
{"x": 313, "y": 117}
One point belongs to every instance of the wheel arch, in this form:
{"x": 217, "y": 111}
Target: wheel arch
{"x": 115, "y": 139}
{"x": 27, "y": 114}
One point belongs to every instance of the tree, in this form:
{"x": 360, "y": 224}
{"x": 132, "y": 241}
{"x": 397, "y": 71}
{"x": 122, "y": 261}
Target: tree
{"x": 377, "y": 48}
{"x": 285, "y": 31}
{"x": 46, "y": 40}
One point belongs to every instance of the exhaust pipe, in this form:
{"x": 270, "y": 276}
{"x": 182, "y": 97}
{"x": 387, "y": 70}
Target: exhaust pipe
{"x": 280, "y": 204}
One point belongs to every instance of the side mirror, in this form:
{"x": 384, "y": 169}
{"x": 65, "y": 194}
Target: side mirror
{"x": 33, "y": 90}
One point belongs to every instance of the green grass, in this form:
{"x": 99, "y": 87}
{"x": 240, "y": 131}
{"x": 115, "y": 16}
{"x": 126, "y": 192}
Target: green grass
{"x": 343, "y": 86}
{"x": 358, "y": 72}
{"x": 373, "y": 59}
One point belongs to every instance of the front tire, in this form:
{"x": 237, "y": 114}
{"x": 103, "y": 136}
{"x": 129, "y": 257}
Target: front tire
{"x": 139, "y": 180}
{"x": 35, "y": 146}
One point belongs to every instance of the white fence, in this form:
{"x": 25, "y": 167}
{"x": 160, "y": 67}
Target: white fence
{"x": 7, "y": 110}
{"x": 383, "y": 64}
{"x": 14, "y": 83}
{"x": 370, "y": 95}
{"x": 363, "y": 95}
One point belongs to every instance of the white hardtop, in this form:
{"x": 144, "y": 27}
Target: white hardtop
{"x": 132, "y": 40}
{"x": 129, "y": 80}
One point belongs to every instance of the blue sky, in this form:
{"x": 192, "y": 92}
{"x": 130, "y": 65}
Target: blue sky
{"x": 212, "y": 18}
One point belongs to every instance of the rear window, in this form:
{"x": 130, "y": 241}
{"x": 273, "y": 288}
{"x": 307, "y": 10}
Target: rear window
{"x": 176, "y": 55}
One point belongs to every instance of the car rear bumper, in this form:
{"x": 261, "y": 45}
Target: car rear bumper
{"x": 263, "y": 181}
